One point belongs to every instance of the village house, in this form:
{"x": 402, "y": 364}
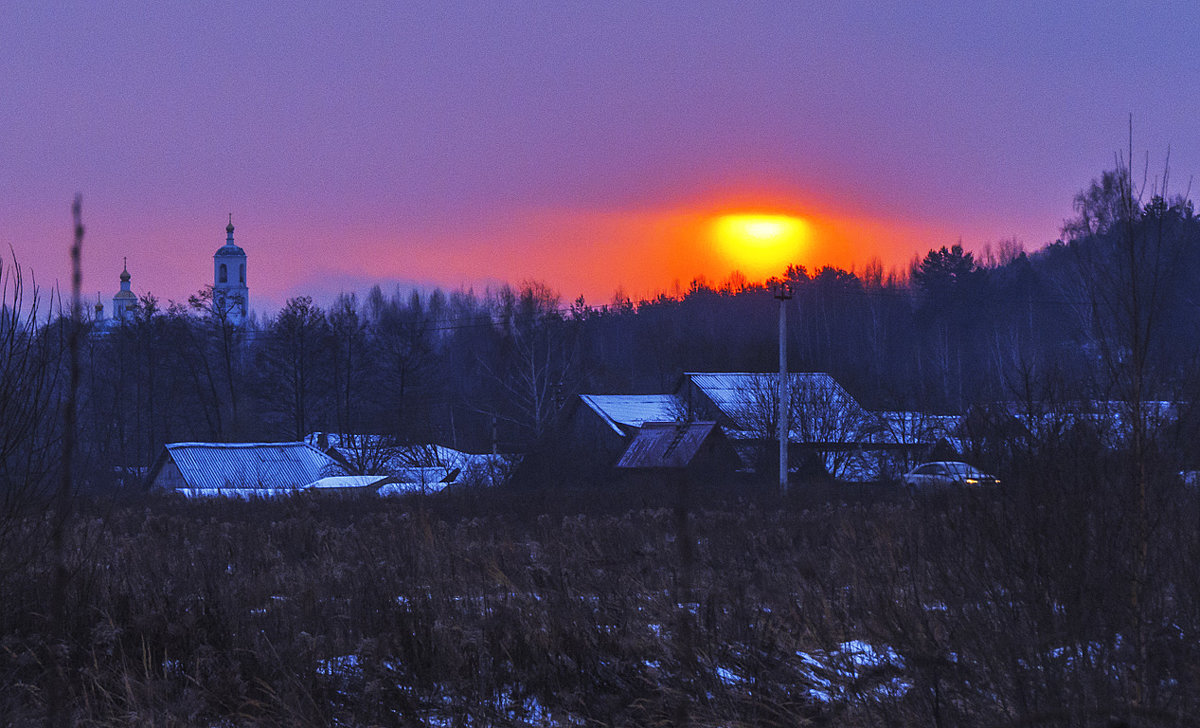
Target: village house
{"x": 828, "y": 430}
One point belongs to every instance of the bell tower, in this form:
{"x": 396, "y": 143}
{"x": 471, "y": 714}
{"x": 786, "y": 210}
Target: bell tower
{"x": 231, "y": 295}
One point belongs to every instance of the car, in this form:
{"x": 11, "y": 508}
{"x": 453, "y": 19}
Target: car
{"x": 947, "y": 473}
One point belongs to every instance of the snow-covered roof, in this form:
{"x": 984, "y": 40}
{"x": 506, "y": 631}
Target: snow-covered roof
{"x": 347, "y": 482}
{"x": 731, "y": 391}
{"x": 378, "y": 453}
{"x": 821, "y": 411}
{"x": 256, "y": 466}
{"x": 241, "y": 493}
{"x": 415, "y": 483}
{"x": 634, "y": 410}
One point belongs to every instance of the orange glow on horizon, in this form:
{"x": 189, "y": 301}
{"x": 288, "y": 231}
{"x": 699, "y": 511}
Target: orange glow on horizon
{"x": 643, "y": 253}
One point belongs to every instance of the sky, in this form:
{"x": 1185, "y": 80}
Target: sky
{"x": 586, "y": 145}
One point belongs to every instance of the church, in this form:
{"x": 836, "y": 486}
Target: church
{"x": 230, "y": 293}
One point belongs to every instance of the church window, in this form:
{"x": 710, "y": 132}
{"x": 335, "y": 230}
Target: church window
{"x": 242, "y": 273}
{"x": 222, "y": 275}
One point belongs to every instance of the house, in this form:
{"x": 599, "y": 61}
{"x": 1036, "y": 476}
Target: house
{"x": 596, "y": 428}
{"x": 607, "y": 421}
{"x": 241, "y": 470}
{"x": 827, "y": 428}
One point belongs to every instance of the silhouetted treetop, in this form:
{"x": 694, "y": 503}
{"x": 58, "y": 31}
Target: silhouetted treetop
{"x": 1102, "y": 205}
{"x": 943, "y": 271}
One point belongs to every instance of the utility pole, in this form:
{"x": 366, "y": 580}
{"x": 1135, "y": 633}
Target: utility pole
{"x": 784, "y": 295}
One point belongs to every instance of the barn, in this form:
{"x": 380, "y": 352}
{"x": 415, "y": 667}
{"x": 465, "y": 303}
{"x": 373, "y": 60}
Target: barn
{"x": 239, "y": 469}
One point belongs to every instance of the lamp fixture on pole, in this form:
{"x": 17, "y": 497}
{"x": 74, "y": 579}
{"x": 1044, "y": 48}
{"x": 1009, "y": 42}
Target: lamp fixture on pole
{"x": 784, "y": 294}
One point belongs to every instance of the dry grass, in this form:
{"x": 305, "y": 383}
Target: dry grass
{"x": 499, "y": 610}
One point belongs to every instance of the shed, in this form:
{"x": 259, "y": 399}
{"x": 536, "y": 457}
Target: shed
{"x": 240, "y": 470}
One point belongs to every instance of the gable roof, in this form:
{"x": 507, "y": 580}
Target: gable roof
{"x": 634, "y": 410}
{"x": 821, "y": 410}
{"x": 732, "y": 391}
{"x": 666, "y": 444}
{"x": 218, "y": 466}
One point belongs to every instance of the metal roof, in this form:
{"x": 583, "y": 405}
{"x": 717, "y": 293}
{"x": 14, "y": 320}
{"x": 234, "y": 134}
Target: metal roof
{"x": 634, "y": 410}
{"x": 820, "y": 408}
{"x": 348, "y": 482}
{"x": 666, "y": 445}
{"x": 731, "y": 391}
{"x": 209, "y": 466}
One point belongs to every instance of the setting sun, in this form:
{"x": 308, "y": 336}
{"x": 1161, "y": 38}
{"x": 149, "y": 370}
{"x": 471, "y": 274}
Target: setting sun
{"x": 760, "y": 244}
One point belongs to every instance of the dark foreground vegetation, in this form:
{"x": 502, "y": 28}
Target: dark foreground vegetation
{"x": 1039, "y": 603}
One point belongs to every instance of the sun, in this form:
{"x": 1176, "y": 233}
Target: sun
{"x": 760, "y": 245}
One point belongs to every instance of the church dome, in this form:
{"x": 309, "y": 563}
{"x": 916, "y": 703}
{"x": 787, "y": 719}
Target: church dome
{"x": 124, "y": 292}
{"x": 229, "y": 250}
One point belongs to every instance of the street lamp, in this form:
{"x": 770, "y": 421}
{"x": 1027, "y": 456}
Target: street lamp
{"x": 784, "y": 294}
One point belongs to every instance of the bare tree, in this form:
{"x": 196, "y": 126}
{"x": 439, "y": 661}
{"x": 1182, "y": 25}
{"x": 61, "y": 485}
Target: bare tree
{"x": 31, "y": 381}
{"x": 1125, "y": 269}
{"x": 293, "y": 354}
{"x": 403, "y": 338}
{"x": 220, "y": 314}
{"x": 347, "y": 336}
{"x": 537, "y": 368}
{"x": 823, "y": 419}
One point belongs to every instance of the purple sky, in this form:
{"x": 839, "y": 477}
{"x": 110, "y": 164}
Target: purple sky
{"x": 464, "y": 143}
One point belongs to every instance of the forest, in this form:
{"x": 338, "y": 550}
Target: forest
{"x": 1067, "y": 597}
